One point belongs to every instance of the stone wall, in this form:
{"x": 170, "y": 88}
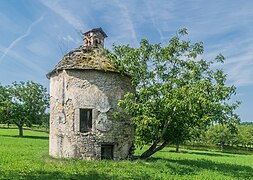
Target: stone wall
{"x": 100, "y": 91}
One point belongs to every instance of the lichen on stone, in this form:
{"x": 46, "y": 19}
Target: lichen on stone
{"x": 84, "y": 57}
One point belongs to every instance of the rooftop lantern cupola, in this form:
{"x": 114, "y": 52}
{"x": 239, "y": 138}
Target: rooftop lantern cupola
{"x": 94, "y": 37}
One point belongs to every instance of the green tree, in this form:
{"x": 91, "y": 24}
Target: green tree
{"x": 176, "y": 91}
{"x": 45, "y": 121}
{"x": 5, "y": 105}
{"x": 247, "y": 123}
{"x": 23, "y": 104}
{"x": 221, "y": 135}
{"x": 245, "y": 135}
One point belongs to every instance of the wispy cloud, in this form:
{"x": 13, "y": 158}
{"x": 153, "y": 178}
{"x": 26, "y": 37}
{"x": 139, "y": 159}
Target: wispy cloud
{"x": 239, "y": 59}
{"x": 152, "y": 17}
{"x": 27, "y": 33}
{"x": 69, "y": 39}
{"x": 240, "y": 69}
{"x": 126, "y": 20}
{"x": 65, "y": 42}
{"x": 64, "y": 13}
{"x": 24, "y": 61}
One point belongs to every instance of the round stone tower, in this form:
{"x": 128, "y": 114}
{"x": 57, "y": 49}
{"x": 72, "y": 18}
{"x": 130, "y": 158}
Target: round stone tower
{"x": 84, "y": 91}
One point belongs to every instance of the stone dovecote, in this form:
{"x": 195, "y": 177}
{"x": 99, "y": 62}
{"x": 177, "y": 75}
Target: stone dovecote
{"x": 84, "y": 91}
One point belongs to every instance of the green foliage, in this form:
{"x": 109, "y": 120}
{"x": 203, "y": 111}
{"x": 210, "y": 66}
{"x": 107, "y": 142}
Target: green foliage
{"x": 240, "y": 136}
{"x": 23, "y": 104}
{"x": 45, "y": 121}
{"x": 245, "y": 136}
{"x": 5, "y": 105}
{"x": 176, "y": 91}
{"x": 246, "y": 123}
{"x": 26, "y": 158}
{"x": 220, "y": 134}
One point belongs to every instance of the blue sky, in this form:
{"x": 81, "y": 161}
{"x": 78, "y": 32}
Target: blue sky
{"x": 34, "y": 35}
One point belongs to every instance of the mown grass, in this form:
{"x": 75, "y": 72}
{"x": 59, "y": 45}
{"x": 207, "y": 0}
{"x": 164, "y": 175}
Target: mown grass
{"x": 27, "y": 158}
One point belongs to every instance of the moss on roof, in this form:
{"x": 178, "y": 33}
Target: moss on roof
{"x": 84, "y": 58}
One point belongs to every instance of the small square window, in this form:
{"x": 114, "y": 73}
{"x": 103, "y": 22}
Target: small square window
{"x": 85, "y": 120}
{"x": 107, "y": 152}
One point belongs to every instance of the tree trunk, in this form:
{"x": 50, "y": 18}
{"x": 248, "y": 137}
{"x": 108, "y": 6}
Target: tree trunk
{"x": 177, "y": 147}
{"x": 153, "y": 149}
{"x": 222, "y": 146}
{"x": 149, "y": 152}
{"x": 20, "y": 128}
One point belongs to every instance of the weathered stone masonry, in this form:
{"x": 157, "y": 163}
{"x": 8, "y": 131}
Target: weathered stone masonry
{"x": 84, "y": 92}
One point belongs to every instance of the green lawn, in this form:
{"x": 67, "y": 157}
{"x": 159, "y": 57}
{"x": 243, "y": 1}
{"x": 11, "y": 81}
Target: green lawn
{"x": 27, "y": 158}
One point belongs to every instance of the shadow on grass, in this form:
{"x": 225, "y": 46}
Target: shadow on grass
{"x": 204, "y": 153}
{"x": 28, "y": 137}
{"x": 212, "y": 154}
{"x": 193, "y": 167}
{"x": 47, "y": 175}
{"x": 227, "y": 149}
{"x": 26, "y": 128}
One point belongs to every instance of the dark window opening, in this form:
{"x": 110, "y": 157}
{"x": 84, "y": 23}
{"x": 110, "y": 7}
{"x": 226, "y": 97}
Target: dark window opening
{"x": 85, "y": 120}
{"x": 96, "y": 42}
{"x": 107, "y": 152}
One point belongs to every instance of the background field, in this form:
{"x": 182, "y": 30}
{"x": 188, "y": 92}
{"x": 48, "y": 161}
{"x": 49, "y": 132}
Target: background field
{"x": 27, "y": 158}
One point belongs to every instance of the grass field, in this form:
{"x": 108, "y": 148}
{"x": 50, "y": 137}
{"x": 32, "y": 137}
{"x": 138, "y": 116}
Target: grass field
{"x": 27, "y": 158}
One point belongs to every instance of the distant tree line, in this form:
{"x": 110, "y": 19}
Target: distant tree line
{"x": 24, "y": 104}
{"x": 246, "y": 123}
{"x": 221, "y": 135}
